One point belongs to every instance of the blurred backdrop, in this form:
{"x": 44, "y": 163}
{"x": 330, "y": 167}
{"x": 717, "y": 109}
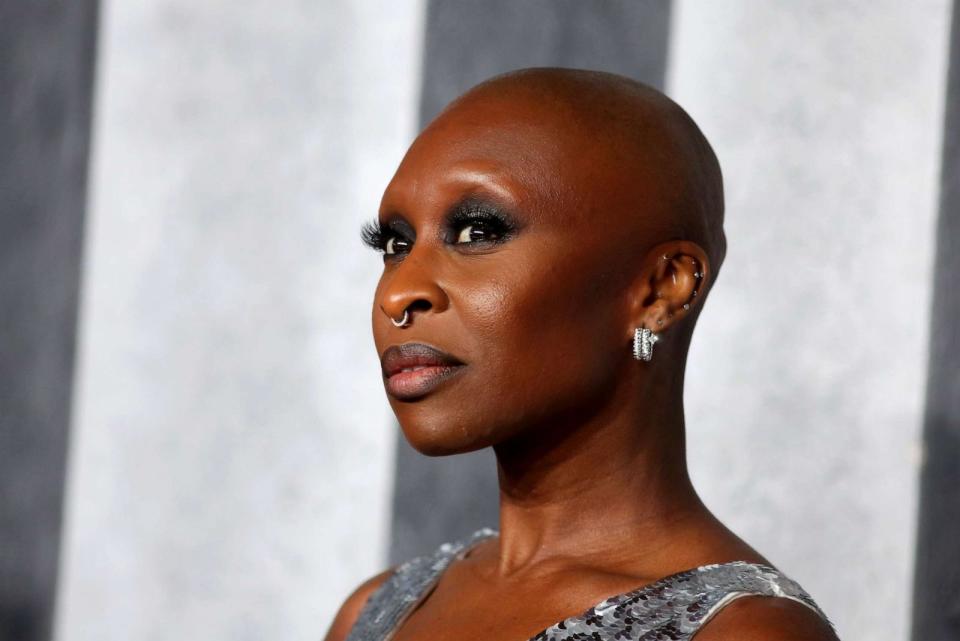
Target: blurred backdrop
{"x": 195, "y": 442}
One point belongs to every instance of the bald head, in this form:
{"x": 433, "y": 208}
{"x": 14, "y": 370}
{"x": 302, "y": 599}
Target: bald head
{"x": 644, "y": 134}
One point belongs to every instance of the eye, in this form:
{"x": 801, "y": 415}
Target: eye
{"x": 383, "y": 239}
{"x": 470, "y": 222}
{"x": 390, "y": 247}
{"x": 478, "y": 231}
{"x": 475, "y": 222}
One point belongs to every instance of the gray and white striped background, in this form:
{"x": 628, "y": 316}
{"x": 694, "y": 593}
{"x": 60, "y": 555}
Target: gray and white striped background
{"x": 194, "y": 439}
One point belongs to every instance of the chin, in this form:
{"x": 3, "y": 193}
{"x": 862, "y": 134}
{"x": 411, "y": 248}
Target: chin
{"x": 440, "y": 437}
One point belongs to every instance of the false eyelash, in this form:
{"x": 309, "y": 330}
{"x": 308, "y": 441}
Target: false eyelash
{"x": 472, "y": 211}
{"x": 374, "y": 235}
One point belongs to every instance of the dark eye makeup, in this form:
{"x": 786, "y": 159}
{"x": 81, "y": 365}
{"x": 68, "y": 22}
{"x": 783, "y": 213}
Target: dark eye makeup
{"x": 471, "y": 222}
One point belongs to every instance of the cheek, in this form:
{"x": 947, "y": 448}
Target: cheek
{"x": 545, "y": 340}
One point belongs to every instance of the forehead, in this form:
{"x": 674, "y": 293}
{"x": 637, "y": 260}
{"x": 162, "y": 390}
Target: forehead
{"x": 521, "y": 153}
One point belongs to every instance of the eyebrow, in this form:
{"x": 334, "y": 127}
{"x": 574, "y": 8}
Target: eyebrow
{"x": 479, "y": 197}
{"x": 485, "y": 183}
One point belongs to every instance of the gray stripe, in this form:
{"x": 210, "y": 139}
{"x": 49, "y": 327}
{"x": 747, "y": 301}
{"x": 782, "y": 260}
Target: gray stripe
{"x": 46, "y": 60}
{"x": 443, "y": 499}
{"x": 467, "y": 42}
{"x": 936, "y": 604}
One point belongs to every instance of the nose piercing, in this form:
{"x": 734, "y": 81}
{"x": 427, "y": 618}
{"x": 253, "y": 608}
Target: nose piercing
{"x": 403, "y": 321}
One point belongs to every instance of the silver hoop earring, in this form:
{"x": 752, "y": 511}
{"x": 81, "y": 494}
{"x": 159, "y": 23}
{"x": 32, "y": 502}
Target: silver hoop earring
{"x": 643, "y": 340}
{"x": 403, "y": 321}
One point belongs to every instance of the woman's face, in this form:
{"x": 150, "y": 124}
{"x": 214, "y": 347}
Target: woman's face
{"x": 499, "y": 229}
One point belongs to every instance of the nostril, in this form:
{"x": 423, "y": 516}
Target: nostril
{"x": 408, "y": 310}
{"x": 420, "y": 303}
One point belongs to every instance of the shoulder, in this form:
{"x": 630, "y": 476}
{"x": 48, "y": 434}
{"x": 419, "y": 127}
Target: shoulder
{"x": 766, "y": 618}
{"x": 350, "y": 610}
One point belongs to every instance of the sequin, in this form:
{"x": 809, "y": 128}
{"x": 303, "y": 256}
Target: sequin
{"x": 672, "y": 608}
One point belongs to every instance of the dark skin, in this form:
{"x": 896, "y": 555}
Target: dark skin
{"x": 614, "y": 205}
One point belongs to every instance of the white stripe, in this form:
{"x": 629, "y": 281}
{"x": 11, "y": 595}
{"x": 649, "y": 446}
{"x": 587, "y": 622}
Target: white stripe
{"x": 806, "y": 379}
{"x": 232, "y": 451}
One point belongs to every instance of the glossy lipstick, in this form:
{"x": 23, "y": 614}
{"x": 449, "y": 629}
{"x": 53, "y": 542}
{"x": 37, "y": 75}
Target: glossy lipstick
{"x": 411, "y": 370}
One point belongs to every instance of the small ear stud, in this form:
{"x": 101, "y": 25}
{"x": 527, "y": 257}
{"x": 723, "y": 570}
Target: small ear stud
{"x": 686, "y": 305}
{"x": 660, "y": 321}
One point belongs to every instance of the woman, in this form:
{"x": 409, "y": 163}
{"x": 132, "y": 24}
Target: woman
{"x": 540, "y": 236}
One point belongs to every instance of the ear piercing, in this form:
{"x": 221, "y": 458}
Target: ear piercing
{"x": 643, "y": 340}
{"x": 403, "y": 321}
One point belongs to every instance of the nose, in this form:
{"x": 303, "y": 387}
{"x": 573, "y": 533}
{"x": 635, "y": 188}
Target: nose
{"x": 412, "y": 287}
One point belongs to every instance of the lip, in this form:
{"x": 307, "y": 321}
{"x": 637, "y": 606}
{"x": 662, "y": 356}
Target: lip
{"x": 433, "y": 366}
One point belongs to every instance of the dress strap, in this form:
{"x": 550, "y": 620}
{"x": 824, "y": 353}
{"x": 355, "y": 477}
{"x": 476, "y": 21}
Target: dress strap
{"x": 677, "y": 606}
{"x": 410, "y": 583}
{"x": 730, "y": 581}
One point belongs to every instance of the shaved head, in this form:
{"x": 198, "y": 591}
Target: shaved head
{"x": 544, "y": 210}
{"x": 538, "y": 237}
{"x": 645, "y": 133}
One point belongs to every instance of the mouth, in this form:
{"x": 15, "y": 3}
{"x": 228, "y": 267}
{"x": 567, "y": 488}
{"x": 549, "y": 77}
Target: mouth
{"x": 411, "y": 370}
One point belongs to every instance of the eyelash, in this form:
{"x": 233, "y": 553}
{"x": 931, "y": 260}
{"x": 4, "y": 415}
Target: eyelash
{"x": 375, "y": 236}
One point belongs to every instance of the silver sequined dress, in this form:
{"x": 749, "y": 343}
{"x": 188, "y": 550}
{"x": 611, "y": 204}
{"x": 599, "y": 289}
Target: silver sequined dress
{"x": 674, "y": 607}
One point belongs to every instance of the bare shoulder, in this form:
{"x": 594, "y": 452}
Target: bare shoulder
{"x": 766, "y": 618}
{"x": 350, "y": 610}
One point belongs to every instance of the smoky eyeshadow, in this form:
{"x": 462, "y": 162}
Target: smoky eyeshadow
{"x": 475, "y": 208}
{"x": 399, "y": 225}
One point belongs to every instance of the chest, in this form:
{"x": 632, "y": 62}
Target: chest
{"x": 488, "y": 628}
{"x": 458, "y": 610}
{"x": 426, "y": 600}
{"x": 497, "y": 618}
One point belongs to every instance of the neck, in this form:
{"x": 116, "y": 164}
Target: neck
{"x": 585, "y": 488}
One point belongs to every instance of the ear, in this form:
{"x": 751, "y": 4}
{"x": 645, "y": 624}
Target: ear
{"x": 673, "y": 279}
